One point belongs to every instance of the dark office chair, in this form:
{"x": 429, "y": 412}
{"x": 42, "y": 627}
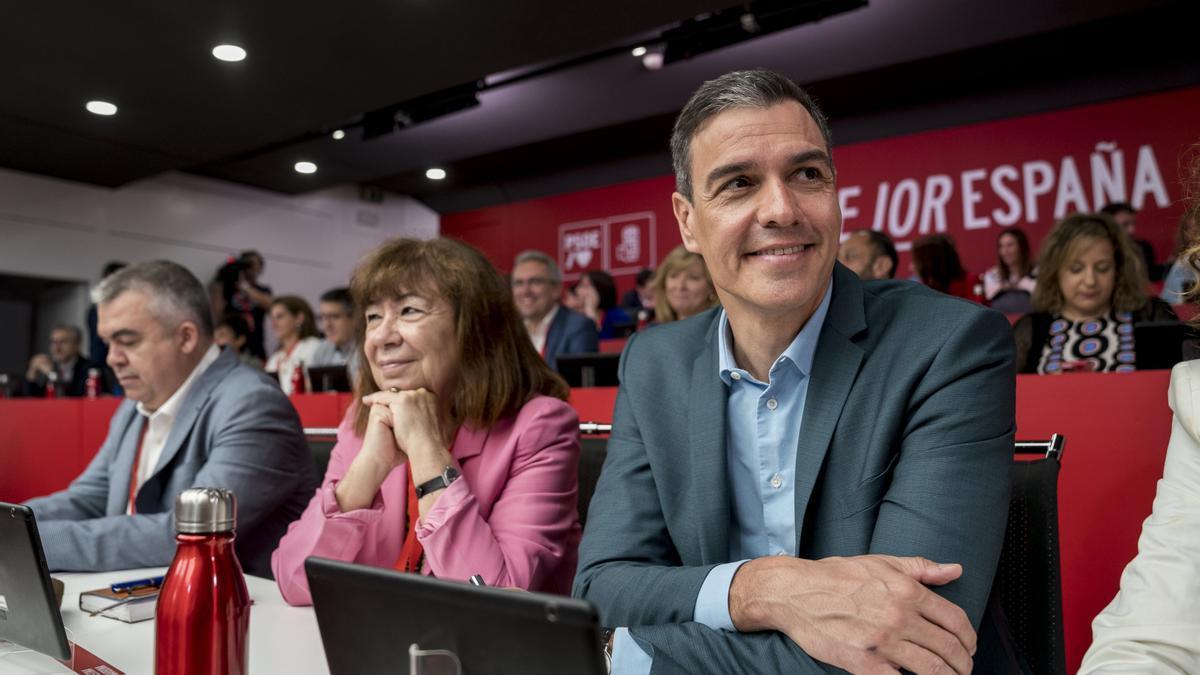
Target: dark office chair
{"x": 593, "y": 448}
{"x": 1028, "y": 580}
{"x": 320, "y": 443}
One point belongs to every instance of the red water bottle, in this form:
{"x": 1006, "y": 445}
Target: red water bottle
{"x": 93, "y": 383}
{"x": 202, "y": 620}
{"x": 52, "y": 385}
{"x": 298, "y": 378}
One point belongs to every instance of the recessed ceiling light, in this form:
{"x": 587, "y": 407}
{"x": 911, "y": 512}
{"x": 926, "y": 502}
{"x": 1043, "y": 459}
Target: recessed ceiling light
{"x": 435, "y": 174}
{"x": 305, "y": 167}
{"x": 639, "y": 52}
{"x": 230, "y": 53}
{"x": 101, "y": 108}
{"x": 339, "y": 135}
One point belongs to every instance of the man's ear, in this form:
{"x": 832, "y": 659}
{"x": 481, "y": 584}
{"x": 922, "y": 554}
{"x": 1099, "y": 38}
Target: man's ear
{"x": 684, "y": 215}
{"x": 188, "y": 335}
{"x": 881, "y": 268}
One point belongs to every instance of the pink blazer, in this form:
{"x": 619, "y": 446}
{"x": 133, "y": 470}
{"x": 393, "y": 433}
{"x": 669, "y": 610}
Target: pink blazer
{"x": 510, "y": 517}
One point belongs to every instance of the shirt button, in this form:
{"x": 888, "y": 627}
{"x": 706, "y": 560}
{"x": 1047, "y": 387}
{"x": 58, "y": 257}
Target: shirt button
{"x": 735, "y": 375}
{"x": 776, "y": 481}
{"x": 772, "y": 404}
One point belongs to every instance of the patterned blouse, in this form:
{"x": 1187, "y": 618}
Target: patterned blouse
{"x": 1098, "y": 345}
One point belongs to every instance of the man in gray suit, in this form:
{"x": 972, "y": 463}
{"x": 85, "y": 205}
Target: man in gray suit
{"x": 554, "y": 329}
{"x": 816, "y": 475}
{"x": 194, "y": 417}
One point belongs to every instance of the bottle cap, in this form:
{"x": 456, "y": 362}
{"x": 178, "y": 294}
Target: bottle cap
{"x": 93, "y": 372}
{"x": 205, "y": 511}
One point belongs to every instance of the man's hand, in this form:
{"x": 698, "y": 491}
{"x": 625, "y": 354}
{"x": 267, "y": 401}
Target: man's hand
{"x": 40, "y": 364}
{"x": 865, "y": 614}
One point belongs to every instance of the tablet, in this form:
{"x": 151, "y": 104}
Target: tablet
{"x": 29, "y": 614}
{"x": 376, "y": 620}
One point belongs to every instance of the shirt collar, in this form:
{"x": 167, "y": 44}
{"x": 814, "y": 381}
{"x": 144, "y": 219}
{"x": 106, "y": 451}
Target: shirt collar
{"x": 544, "y": 325}
{"x": 171, "y": 406}
{"x": 800, "y": 353}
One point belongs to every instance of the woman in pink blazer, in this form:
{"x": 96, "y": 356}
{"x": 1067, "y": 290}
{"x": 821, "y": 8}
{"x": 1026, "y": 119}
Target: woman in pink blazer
{"x": 461, "y": 456}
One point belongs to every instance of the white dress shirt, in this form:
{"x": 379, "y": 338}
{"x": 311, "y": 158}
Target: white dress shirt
{"x": 1153, "y": 624}
{"x": 543, "y": 329}
{"x": 159, "y": 422}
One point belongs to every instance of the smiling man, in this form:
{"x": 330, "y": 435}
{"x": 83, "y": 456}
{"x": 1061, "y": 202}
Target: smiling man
{"x": 554, "y": 329}
{"x": 816, "y": 473}
{"x": 194, "y": 417}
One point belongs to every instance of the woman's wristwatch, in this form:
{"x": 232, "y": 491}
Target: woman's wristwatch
{"x": 448, "y": 476}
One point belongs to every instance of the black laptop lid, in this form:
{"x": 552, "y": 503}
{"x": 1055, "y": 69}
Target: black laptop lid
{"x": 1159, "y": 344}
{"x": 29, "y": 613}
{"x": 370, "y": 618}
{"x": 329, "y": 378}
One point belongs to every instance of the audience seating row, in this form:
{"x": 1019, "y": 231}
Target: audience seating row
{"x": 1117, "y": 425}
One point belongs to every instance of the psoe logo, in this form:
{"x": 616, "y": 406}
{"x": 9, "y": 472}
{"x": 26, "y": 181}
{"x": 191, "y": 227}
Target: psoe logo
{"x": 581, "y": 247}
{"x": 629, "y": 249}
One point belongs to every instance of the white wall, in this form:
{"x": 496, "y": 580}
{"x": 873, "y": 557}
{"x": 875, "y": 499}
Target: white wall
{"x": 64, "y": 230}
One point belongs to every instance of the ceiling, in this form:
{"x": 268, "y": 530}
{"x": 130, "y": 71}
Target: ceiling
{"x": 315, "y": 66}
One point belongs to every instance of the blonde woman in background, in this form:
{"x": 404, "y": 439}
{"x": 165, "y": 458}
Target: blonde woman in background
{"x": 682, "y": 286}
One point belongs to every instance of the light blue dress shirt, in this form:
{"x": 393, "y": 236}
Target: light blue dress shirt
{"x": 764, "y": 421}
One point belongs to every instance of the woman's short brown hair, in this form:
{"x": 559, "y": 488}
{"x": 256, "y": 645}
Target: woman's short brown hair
{"x": 298, "y": 306}
{"x": 1129, "y": 291}
{"x": 499, "y": 371}
{"x": 678, "y": 259}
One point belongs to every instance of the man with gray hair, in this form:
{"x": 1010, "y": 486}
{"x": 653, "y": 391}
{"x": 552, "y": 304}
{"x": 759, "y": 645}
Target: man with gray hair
{"x": 813, "y": 475}
{"x": 64, "y": 364}
{"x": 194, "y": 417}
{"x": 554, "y": 329}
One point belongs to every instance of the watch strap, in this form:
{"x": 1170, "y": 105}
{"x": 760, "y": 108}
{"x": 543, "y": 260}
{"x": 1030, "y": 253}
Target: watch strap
{"x": 448, "y": 476}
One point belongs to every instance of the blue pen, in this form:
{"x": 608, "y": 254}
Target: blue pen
{"x": 126, "y": 586}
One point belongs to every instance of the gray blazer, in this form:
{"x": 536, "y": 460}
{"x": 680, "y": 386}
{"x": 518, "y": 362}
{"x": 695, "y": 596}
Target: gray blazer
{"x": 235, "y": 430}
{"x": 906, "y": 449}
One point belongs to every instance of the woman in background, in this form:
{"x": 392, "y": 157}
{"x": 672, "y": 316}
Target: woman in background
{"x": 597, "y": 294}
{"x": 292, "y": 320}
{"x": 682, "y": 286}
{"x": 1008, "y": 286}
{"x": 936, "y": 264}
{"x": 461, "y": 455}
{"x": 1091, "y": 290}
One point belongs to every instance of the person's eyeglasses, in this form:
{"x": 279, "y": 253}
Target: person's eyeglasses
{"x": 533, "y": 282}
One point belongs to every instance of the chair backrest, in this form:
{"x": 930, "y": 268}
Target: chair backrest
{"x": 593, "y": 448}
{"x": 1028, "y": 579}
{"x": 320, "y": 443}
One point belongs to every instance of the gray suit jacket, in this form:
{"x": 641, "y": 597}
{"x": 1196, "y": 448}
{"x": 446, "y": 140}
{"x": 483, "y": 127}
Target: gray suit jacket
{"x": 906, "y": 449}
{"x": 235, "y": 430}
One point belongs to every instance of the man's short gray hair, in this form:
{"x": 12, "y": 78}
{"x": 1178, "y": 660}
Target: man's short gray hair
{"x": 739, "y": 89}
{"x": 176, "y": 295}
{"x": 75, "y": 331}
{"x": 533, "y": 255}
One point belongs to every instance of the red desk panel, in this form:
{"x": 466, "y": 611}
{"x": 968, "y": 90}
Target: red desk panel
{"x": 40, "y": 451}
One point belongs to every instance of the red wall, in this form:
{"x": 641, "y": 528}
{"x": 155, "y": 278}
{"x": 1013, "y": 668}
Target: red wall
{"x": 1027, "y": 171}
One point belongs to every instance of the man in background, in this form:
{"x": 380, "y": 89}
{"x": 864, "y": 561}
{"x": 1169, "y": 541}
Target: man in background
{"x": 335, "y": 316}
{"x": 193, "y": 417}
{"x": 1125, "y": 216}
{"x": 869, "y": 254}
{"x": 65, "y": 364}
{"x": 554, "y": 329}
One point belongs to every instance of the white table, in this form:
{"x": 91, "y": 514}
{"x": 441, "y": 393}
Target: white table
{"x": 283, "y": 639}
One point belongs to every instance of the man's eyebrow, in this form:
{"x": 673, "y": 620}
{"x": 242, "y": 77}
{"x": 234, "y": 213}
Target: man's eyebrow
{"x": 725, "y": 170}
{"x": 810, "y": 155}
{"x": 124, "y": 333}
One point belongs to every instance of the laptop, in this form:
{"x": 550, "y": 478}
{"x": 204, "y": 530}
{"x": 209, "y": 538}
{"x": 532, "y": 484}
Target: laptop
{"x": 329, "y": 378}
{"x": 1159, "y": 344}
{"x": 375, "y": 620}
{"x": 29, "y": 614}
{"x": 589, "y": 370}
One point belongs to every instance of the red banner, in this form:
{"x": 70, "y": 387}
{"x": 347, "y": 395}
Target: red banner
{"x": 970, "y": 182}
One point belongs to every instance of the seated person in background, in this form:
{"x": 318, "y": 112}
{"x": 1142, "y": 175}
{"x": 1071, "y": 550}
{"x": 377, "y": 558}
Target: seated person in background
{"x": 553, "y": 329}
{"x": 460, "y": 457}
{"x": 1153, "y": 624}
{"x": 936, "y": 264}
{"x": 682, "y": 287}
{"x": 817, "y": 472}
{"x": 292, "y": 320}
{"x": 1091, "y": 290}
{"x": 640, "y": 298}
{"x": 193, "y": 417}
{"x": 1181, "y": 276}
{"x": 597, "y": 293}
{"x": 1126, "y": 218}
{"x": 232, "y": 332}
{"x": 335, "y": 313}
{"x": 64, "y": 364}
{"x": 869, "y": 254}
{"x": 1009, "y": 285}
